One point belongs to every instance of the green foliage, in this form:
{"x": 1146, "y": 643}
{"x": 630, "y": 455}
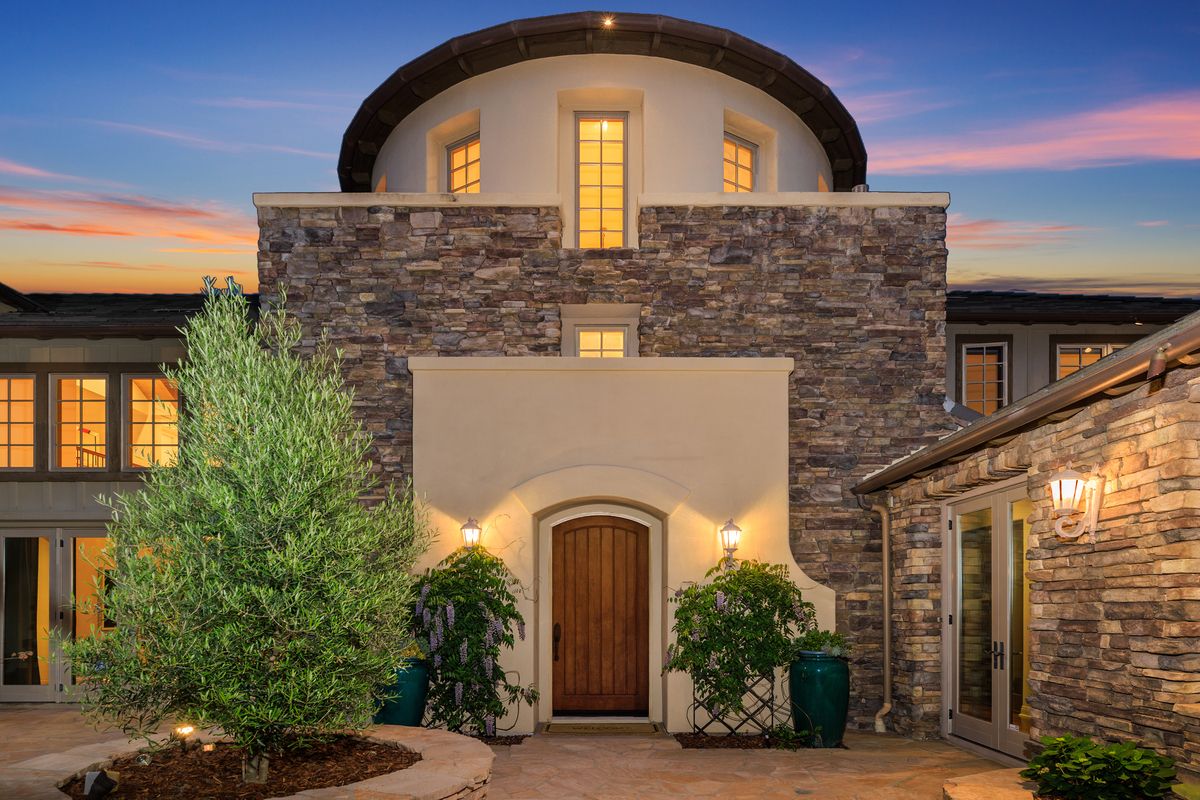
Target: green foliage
{"x": 252, "y": 588}
{"x": 819, "y": 641}
{"x": 1076, "y": 768}
{"x": 466, "y": 613}
{"x": 785, "y": 737}
{"x": 736, "y": 628}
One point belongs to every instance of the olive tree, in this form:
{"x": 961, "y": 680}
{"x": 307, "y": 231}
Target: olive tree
{"x": 251, "y": 586}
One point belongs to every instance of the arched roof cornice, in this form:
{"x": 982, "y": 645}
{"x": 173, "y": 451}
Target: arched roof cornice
{"x": 584, "y": 32}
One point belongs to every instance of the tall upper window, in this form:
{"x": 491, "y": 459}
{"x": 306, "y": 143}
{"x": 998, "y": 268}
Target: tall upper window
{"x": 81, "y": 422}
{"x": 1070, "y": 358}
{"x": 984, "y": 376}
{"x": 16, "y": 422}
{"x": 462, "y": 165}
{"x": 600, "y": 179}
{"x": 152, "y": 432}
{"x": 597, "y": 342}
{"x": 739, "y": 157}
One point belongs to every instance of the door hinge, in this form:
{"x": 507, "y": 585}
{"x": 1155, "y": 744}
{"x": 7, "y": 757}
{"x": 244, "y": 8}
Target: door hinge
{"x": 61, "y": 616}
{"x": 949, "y": 524}
{"x": 951, "y": 714}
{"x": 950, "y": 619}
{"x": 62, "y": 542}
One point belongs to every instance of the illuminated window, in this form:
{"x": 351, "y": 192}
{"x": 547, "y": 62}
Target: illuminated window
{"x": 81, "y": 422}
{"x": 600, "y": 178}
{"x": 1071, "y": 358}
{"x": 600, "y": 342}
{"x": 462, "y": 161}
{"x": 152, "y": 432}
{"x": 16, "y": 422}
{"x": 985, "y": 376}
{"x": 739, "y": 156}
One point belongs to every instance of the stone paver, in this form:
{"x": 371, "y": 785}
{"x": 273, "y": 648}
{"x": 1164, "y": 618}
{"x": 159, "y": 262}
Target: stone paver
{"x": 878, "y": 767}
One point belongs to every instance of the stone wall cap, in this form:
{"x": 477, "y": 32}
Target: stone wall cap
{"x": 404, "y": 199}
{"x": 793, "y": 199}
{"x": 569, "y": 364}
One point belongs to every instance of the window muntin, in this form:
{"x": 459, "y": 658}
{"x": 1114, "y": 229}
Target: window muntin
{"x": 80, "y": 421}
{"x": 462, "y": 165}
{"x": 985, "y": 376}
{"x": 151, "y": 421}
{"x": 599, "y": 342}
{"x": 1070, "y": 358}
{"x": 600, "y": 179}
{"x": 738, "y": 163}
{"x": 16, "y": 422}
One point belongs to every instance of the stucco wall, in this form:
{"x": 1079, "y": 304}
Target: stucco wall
{"x": 1115, "y": 641}
{"x": 853, "y": 293}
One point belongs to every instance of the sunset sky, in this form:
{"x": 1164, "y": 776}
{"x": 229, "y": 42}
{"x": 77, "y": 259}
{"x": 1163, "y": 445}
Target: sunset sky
{"x": 132, "y": 134}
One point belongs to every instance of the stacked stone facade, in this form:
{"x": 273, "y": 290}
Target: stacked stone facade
{"x": 1115, "y": 650}
{"x": 855, "y": 295}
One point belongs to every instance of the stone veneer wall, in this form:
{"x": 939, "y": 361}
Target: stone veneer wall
{"x": 855, "y": 295}
{"x": 1115, "y": 649}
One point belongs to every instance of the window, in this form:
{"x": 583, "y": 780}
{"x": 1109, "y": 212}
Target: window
{"x": 985, "y": 376}
{"x": 462, "y": 165}
{"x": 600, "y": 342}
{"x": 80, "y": 422}
{"x": 1070, "y": 358}
{"x": 600, "y": 179}
{"x": 152, "y": 421}
{"x": 739, "y": 156}
{"x": 16, "y": 422}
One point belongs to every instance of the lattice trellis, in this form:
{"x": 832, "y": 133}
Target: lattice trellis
{"x": 758, "y": 715}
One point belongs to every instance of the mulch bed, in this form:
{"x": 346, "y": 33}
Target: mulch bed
{"x": 701, "y": 741}
{"x": 217, "y": 775}
{"x": 501, "y": 741}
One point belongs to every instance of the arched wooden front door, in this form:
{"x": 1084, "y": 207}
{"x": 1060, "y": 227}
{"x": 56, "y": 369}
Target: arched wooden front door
{"x": 601, "y": 626}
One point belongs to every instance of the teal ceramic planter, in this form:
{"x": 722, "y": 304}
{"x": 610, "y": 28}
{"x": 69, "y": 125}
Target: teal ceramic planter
{"x": 412, "y": 688}
{"x": 820, "y": 689}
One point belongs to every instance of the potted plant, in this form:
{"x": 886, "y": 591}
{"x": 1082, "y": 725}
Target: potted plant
{"x": 819, "y": 682}
{"x": 404, "y": 699}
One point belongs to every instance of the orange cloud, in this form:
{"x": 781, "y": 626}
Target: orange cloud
{"x": 1159, "y": 128}
{"x": 92, "y": 214}
{"x": 993, "y": 234}
{"x": 1154, "y": 223}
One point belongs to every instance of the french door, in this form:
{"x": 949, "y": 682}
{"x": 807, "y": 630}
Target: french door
{"x": 42, "y": 572}
{"x": 988, "y": 620}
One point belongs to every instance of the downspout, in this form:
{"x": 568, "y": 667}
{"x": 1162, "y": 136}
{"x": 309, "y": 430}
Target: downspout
{"x": 885, "y": 519}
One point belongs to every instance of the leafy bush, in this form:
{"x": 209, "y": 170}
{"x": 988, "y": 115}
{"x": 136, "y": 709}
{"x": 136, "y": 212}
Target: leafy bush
{"x": 252, "y": 588}
{"x": 1076, "y": 768}
{"x": 466, "y": 613}
{"x": 736, "y": 628}
{"x": 819, "y": 641}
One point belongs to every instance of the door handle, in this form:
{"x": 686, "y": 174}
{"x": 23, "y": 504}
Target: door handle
{"x": 997, "y": 655}
{"x": 557, "y": 637}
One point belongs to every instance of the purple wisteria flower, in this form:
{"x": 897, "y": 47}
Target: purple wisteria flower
{"x": 678, "y": 593}
{"x": 458, "y": 693}
{"x": 437, "y": 625}
{"x": 488, "y": 664}
{"x": 720, "y": 601}
{"x": 435, "y": 640}
{"x": 437, "y": 660}
{"x": 712, "y": 660}
{"x": 489, "y": 725}
{"x": 450, "y": 615}
{"x": 425, "y": 617}
{"x": 487, "y": 637}
{"x": 462, "y": 651}
{"x": 521, "y": 629}
{"x": 425, "y": 590}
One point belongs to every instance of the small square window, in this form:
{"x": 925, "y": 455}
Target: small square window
{"x": 985, "y": 376}
{"x": 152, "y": 421}
{"x": 16, "y": 422}
{"x": 600, "y": 342}
{"x": 462, "y": 163}
{"x": 80, "y": 422}
{"x": 738, "y": 164}
{"x": 600, "y": 330}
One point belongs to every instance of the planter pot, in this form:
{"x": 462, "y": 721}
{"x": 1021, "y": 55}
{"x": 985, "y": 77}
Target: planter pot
{"x": 820, "y": 689}
{"x": 412, "y": 686}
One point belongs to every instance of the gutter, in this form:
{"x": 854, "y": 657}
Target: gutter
{"x": 885, "y": 518}
{"x": 1128, "y": 364}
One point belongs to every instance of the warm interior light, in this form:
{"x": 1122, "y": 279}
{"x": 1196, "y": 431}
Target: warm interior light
{"x": 470, "y": 533}
{"x": 731, "y": 537}
{"x": 1066, "y": 491}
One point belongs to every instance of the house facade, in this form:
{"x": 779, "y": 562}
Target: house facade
{"x": 602, "y": 284}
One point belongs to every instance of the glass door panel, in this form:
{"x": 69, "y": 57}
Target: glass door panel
{"x": 1017, "y": 716}
{"x": 973, "y": 705}
{"x": 25, "y": 618}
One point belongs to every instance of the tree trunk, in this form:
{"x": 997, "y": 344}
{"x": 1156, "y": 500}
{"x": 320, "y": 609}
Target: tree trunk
{"x": 254, "y": 768}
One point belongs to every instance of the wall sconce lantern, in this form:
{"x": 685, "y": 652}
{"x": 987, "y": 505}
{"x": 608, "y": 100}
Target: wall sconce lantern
{"x": 1075, "y": 493}
{"x": 731, "y": 537}
{"x": 470, "y": 533}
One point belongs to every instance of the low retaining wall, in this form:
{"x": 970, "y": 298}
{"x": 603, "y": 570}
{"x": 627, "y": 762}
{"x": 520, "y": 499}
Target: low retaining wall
{"x": 452, "y": 767}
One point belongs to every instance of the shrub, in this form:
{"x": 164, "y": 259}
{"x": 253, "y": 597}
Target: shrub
{"x": 252, "y": 588}
{"x": 467, "y": 613}
{"x": 735, "y": 629}
{"x": 1076, "y": 768}
{"x": 819, "y": 641}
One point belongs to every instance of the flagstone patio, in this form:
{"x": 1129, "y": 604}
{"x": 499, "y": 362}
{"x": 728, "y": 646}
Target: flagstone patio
{"x": 878, "y": 767}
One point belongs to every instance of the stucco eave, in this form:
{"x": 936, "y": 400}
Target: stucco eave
{"x": 564, "y": 364}
{"x": 404, "y": 199}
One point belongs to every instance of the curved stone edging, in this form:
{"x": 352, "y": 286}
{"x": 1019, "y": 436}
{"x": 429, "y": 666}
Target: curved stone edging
{"x": 452, "y": 767}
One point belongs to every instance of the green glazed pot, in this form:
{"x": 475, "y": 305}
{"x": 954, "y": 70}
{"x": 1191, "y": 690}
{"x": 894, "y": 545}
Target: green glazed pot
{"x": 820, "y": 688}
{"x": 412, "y": 686}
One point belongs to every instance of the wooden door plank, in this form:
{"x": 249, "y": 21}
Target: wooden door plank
{"x": 620, "y": 613}
{"x": 558, "y": 613}
{"x": 643, "y": 620}
{"x": 595, "y": 630}
{"x": 607, "y": 656}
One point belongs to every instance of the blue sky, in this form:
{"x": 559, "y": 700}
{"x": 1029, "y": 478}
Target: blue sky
{"x": 133, "y": 134}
